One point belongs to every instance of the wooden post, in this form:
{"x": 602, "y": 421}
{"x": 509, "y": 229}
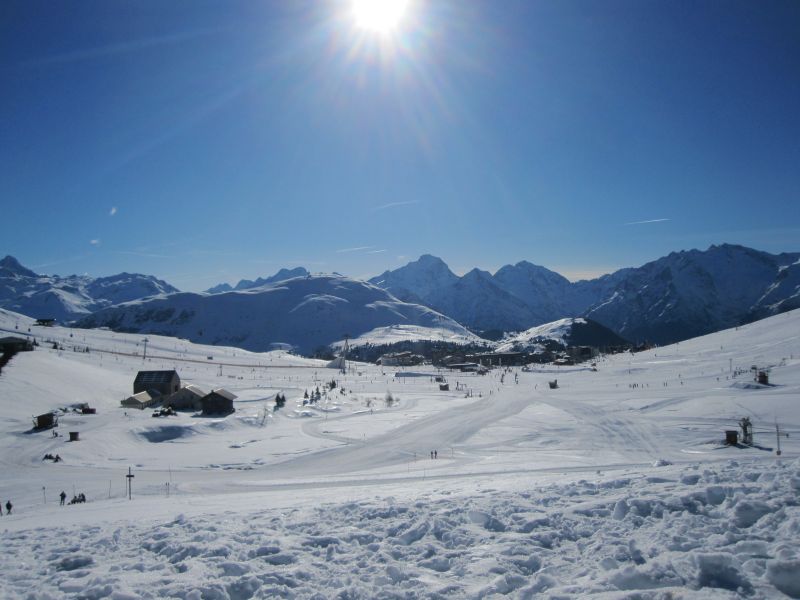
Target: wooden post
{"x": 130, "y": 477}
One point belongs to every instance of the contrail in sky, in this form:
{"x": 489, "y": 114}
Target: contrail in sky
{"x": 393, "y": 204}
{"x": 644, "y": 222}
{"x": 357, "y": 249}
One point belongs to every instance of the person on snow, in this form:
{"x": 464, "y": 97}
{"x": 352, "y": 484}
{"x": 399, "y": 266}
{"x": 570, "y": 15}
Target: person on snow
{"x": 9, "y": 506}
{"x": 63, "y": 496}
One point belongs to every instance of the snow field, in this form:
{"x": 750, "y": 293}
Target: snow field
{"x": 615, "y": 485}
{"x": 724, "y": 531}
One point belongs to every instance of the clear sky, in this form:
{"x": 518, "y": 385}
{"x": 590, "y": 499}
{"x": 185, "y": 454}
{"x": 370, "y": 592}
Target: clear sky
{"x": 205, "y": 141}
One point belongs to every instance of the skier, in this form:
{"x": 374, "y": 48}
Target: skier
{"x": 63, "y": 496}
{"x": 9, "y": 506}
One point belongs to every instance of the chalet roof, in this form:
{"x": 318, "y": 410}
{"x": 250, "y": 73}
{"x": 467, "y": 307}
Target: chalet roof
{"x": 155, "y": 376}
{"x": 194, "y": 389}
{"x": 224, "y": 393}
{"x": 142, "y": 397}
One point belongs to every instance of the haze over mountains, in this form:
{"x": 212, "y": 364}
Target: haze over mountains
{"x": 682, "y": 295}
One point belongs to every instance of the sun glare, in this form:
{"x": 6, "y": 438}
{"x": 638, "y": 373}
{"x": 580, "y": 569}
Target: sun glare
{"x": 380, "y": 16}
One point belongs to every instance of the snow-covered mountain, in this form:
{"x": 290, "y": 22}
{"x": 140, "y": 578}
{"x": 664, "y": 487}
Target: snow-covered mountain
{"x": 692, "y": 293}
{"x": 73, "y": 296}
{"x": 476, "y": 301}
{"x": 544, "y": 291}
{"x": 679, "y": 296}
{"x": 247, "y": 284}
{"x": 564, "y": 333}
{"x": 418, "y": 280}
{"x": 305, "y": 312}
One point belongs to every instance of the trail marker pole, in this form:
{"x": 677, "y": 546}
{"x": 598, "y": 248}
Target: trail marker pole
{"x": 130, "y": 477}
{"x": 778, "y": 437}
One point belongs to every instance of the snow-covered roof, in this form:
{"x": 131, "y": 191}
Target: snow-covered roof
{"x": 224, "y": 393}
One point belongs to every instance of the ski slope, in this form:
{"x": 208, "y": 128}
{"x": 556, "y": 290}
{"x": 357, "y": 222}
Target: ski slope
{"x": 614, "y": 484}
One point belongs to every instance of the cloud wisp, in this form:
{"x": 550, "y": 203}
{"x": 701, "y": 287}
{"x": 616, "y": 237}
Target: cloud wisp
{"x": 394, "y": 204}
{"x": 113, "y": 211}
{"x": 645, "y": 222}
{"x": 356, "y": 249}
{"x": 95, "y": 242}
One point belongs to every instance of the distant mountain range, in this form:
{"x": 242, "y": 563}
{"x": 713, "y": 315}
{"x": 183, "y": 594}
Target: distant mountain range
{"x": 682, "y": 295}
{"x": 246, "y": 284}
{"x": 73, "y": 296}
{"x": 304, "y": 312}
{"x": 679, "y": 296}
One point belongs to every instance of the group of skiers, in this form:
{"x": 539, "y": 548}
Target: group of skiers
{"x": 79, "y": 499}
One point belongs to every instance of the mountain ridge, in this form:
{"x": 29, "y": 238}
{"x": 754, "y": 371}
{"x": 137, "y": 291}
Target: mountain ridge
{"x": 69, "y": 297}
{"x": 678, "y": 296}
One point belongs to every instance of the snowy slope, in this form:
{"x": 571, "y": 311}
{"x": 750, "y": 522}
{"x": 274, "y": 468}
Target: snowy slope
{"x": 563, "y": 333}
{"x": 305, "y": 312}
{"x": 66, "y": 298}
{"x": 616, "y": 484}
{"x": 394, "y": 334}
{"x": 556, "y": 331}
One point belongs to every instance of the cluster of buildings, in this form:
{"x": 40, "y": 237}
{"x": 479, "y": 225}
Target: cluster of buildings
{"x": 400, "y": 359}
{"x": 151, "y": 387}
{"x": 470, "y": 362}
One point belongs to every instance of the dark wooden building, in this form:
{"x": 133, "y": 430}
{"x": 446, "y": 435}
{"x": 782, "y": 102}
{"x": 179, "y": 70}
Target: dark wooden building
{"x": 46, "y": 322}
{"x": 15, "y": 344}
{"x": 45, "y": 421}
{"x": 218, "y": 402}
{"x": 189, "y": 397}
{"x": 163, "y": 382}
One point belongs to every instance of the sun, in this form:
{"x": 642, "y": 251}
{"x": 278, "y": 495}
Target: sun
{"x": 379, "y": 16}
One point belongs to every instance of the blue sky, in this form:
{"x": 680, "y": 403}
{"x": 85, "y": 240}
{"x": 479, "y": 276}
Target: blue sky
{"x": 211, "y": 141}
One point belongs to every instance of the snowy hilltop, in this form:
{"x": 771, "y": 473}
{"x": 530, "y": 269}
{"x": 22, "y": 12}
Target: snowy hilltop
{"x": 247, "y": 284}
{"x": 679, "y": 296}
{"x": 73, "y": 296}
{"x": 562, "y": 333}
{"x": 617, "y": 484}
{"x": 306, "y": 313}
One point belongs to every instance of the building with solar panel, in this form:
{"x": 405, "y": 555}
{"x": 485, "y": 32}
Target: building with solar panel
{"x": 163, "y": 382}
